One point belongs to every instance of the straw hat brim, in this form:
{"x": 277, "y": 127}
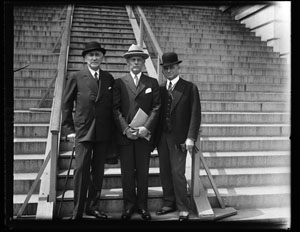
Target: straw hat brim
{"x": 140, "y": 54}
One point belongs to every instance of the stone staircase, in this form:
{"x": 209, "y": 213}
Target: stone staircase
{"x": 36, "y": 30}
{"x": 244, "y": 90}
{"x": 245, "y": 97}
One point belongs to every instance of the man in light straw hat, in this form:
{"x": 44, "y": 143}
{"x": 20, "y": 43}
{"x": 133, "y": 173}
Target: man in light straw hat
{"x": 136, "y": 102}
{"x": 179, "y": 125}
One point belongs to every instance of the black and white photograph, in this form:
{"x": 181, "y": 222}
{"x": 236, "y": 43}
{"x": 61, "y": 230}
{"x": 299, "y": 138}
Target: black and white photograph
{"x": 147, "y": 114}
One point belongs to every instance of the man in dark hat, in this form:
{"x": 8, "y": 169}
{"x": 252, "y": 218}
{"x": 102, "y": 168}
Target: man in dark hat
{"x": 136, "y": 109}
{"x": 179, "y": 126}
{"x": 90, "y": 129}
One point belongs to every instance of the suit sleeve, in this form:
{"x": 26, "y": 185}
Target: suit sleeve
{"x": 195, "y": 114}
{"x": 68, "y": 105}
{"x": 118, "y": 117}
{"x": 156, "y": 105}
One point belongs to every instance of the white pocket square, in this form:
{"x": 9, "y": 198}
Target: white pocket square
{"x": 109, "y": 88}
{"x": 149, "y": 90}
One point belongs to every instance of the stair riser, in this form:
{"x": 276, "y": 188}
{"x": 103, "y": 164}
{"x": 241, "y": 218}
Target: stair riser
{"x": 23, "y": 186}
{"x": 36, "y": 58}
{"x": 31, "y": 74}
{"x": 36, "y": 33}
{"x": 28, "y": 117}
{"x": 222, "y": 146}
{"x": 256, "y": 96}
{"x": 222, "y": 181}
{"x": 37, "y": 27}
{"x": 108, "y": 46}
{"x": 103, "y": 65}
{"x": 104, "y": 40}
{"x": 26, "y": 104}
{"x": 36, "y": 65}
{"x": 32, "y": 93}
{"x": 238, "y": 202}
{"x": 27, "y": 166}
{"x": 30, "y": 82}
{"x": 245, "y": 118}
{"x": 29, "y": 210}
{"x": 235, "y": 79}
{"x": 245, "y": 131}
{"x": 245, "y": 106}
{"x": 98, "y": 25}
{"x": 115, "y": 35}
{"x": 35, "y": 45}
{"x": 29, "y": 147}
{"x": 31, "y": 131}
{"x": 104, "y": 30}
{"x": 40, "y": 39}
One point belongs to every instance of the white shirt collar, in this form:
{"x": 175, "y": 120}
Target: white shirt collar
{"x": 174, "y": 82}
{"x": 138, "y": 75}
{"x": 93, "y": 72}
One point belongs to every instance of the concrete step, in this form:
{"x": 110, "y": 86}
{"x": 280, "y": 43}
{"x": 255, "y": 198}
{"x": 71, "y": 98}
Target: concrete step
{"x": 80, "y": 18}
{"x": 37, "y": 33}
{"x": 243, "y": 106}
{"x": 23, "y": 183}
{"x": 32, "y": 58}
{"x": 99, "y": 25}
{"x": 246, "y": 159}
{"x": 93, "y": 34}
{"x": 26, "y": 116}
{"x": 239, "y": 198}
{"x": 24, "y": 104}
{"x": 104, "y": 65}
{"x": 223, "y": 177}
{"x": 107, "y": 45}
{"x": 29, "y": 145}
{"x": 243, "y": 144}
{"x": 82, "y": 30}
{"x": 241, "y": 88}
{"x": 18, "y": 200}
{"x": 35, "y": 74}
{"x": 178, "y": 44}
{"x": 250, "y": 79}
{"x": 245, "y": 130}
{"x": 37, "y": 65}
{"x": 34, "y": 82}
{"x": 32, "y": 130}
{"x": 103, "y": 17}
{"x": 44, "y": 39}
{"x": 38, "y": 27}
{"x": 245, "y": 117}
{"x": 28, "y": 163}
{"x": 103, "y": 40}
{"x": 40, "y": 51}
{"x": 244, "y": 96}
{"x": 32, "y": 45}
{"x": 31, "y": 92}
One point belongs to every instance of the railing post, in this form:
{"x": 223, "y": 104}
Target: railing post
{"x": 141, "y": 43}
{"x": 53, "y": 166}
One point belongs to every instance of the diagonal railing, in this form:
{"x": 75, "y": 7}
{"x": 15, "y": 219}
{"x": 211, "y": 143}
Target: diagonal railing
{"x": 47, "y": 173}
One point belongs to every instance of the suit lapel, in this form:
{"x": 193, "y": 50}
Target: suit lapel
{"x": 90, "y": 80}
{"x": 130, "y": 83}
{"x": 142, "y": 84}
{"x": 177, "y": 93}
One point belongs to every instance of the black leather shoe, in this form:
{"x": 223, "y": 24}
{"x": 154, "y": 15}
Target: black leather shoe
{"x": 145, "y": 214}
{"x": 96, "y": 213}
{"x": 165, "y": 210}
{"x": 126, "y": 215}
{"x": 183, "y": 218}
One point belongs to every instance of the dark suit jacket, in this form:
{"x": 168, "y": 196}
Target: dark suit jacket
{"x": 93, "y": 119}
{"x": 185, "y": 111}
{"x": 128, "y": 99}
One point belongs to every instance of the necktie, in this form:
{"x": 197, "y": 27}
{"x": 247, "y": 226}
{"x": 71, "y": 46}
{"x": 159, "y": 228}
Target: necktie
{"x": 170, "y": 87}
{"x": 96, "y": 77}
{"x": 136, "y": 80}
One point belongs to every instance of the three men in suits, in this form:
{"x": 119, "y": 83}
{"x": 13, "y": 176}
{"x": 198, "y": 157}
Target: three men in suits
{"x": 179, "y": 125}
{"x": 135, "y": 92}
{"x": 90, "y": 129}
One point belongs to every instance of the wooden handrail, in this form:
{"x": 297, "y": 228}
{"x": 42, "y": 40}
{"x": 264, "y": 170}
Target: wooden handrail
{"x": 144, "y": 24}
{"x": 57, "y": 101}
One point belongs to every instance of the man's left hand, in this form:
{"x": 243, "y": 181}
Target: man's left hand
{"x": 142, "y": 131}
{"x": 189, "y": 144}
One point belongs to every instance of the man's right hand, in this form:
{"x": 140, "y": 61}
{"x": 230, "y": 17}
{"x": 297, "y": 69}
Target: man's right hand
{"x": 71, "y": 137}
{"x": 131, "y": 133}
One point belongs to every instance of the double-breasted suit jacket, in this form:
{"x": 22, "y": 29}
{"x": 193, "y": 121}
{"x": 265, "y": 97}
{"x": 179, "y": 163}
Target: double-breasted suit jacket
{"x": 93, "y": 119}
{"x": 93, "y": 125}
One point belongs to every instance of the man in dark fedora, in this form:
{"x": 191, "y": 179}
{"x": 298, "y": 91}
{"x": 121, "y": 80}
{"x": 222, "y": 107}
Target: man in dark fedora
{"x": 179, "y": 125}
{"x": 135, "y": 96}
{"x": 91, "y": 128}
